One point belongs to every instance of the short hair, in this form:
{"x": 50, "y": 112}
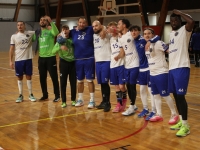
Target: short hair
{"x": 81, "y": 17}
{"x": 112, "y": 23}
{"x": 21, "y": 21}
{"x": 65, "y": 27}
{"x": 152, "y": 30}
{"x": 176, "y": 16}
{"x": 135, "y": 28}
{"x": 126, "y": 22}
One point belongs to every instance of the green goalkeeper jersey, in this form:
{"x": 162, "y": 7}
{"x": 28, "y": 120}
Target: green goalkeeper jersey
{"x": 67, "y": 55}
{"x": 46, "y": 41}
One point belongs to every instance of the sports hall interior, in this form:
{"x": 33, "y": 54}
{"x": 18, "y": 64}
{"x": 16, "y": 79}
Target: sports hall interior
{"x": 44, "y": 125}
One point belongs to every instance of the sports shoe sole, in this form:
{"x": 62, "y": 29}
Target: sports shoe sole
{"x": 184, "y": 134}
{"x": 32, "y": 100}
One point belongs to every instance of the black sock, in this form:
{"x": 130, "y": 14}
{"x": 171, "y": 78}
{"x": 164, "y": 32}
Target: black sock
{"x": 183, "y": 106}
{"x": 105, "y": 90}
{"x": 177, "y": 103}
{"x": 133, "y": 93}
{"x": 124, "y": 95}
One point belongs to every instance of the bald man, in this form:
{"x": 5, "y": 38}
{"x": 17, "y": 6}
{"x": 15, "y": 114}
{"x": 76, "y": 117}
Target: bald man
{"x": 102, "y": 54}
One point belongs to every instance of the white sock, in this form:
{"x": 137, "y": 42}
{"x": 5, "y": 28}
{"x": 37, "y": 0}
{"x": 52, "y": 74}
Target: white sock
{"x": 80, "y": 96}
{"x": 29, "y": 85}
{"x": 185, "y": 122}
{"x": 170, "y": 103}
{"x": 20, "y": 86}
{"x": 158, "y": 104}
{"x": 92, "y": 97}
{"x": 153, "y": 105}
{"x": 143, "y": 95}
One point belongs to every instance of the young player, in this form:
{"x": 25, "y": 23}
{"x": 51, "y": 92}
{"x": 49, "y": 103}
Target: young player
{"x": 65, "y": 49}
{"x": 159, "y": 76}
{"x": 102, "y": 54}
{"x": 21, "y": 46}
{"x": 179, "y": 66}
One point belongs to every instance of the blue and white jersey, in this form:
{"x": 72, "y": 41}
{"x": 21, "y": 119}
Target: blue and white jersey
{"x": 156, "y": 58}
{"x": 83, "y": 43}
{"x": 102, "y": 50}
{"x": 23, "y": 45}
{"x": 114, "y": 42}
{"x": 131, "y": 56}
{"x": 178, "y": 48}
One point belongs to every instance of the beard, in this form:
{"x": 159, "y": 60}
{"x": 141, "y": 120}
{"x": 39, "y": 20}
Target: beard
{"x": 97, "y": 31}
{"x": 43, "y": 25}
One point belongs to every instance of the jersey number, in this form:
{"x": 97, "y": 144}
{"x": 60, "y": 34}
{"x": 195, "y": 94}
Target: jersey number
{"x": 25, "y": 41}
{"x": 115, "y": 45}
{"x": 80, "y": 37}
{"x": 171, "y": 41}
{"x": 126, "y": 47}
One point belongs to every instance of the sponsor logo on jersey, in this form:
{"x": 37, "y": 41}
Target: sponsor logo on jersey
{"x": 174, "y": 50}
{"x": 27, "y": 35}
{"x": 141, "y": 45}
{"x": 129, "y": 40}
{"x": 176, "y": 34}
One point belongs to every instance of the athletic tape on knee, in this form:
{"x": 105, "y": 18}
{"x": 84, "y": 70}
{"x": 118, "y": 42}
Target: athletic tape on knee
{"x": 79, "y": 81}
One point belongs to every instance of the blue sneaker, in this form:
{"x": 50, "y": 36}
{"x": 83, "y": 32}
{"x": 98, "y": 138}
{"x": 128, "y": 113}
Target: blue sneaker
{"x": 150, "y": 115}
{"x": 143, "y": 113}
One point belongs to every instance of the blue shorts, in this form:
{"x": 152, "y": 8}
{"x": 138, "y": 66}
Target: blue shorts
{"x": 103, "y": 71}
{"x": 178, "y": 80}
{"x": 131, "y": 75}
{"x": 85, "y": 68}
{"x": 144, "y": 78}
{"x": 117, "y": 75}
{"x": 24, "y": 67}
{"x": 159, "y": 84}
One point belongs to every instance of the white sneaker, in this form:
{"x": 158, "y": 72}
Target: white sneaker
{"x": 131, "y": 110}
{"x": 91, "y": 104}
{"x": 32, "y": 98}
{"x": 79, "y": 103}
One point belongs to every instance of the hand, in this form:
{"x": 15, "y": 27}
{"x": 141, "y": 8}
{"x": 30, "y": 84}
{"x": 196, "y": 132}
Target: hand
{"x": 116, "y": 58}
{"x": 48, "y": 19}
{"x": 12, "y": 65}
{"x": 103, "y": 33}
{"x": 147, "y": 46}
{"x": 177, "y": 12}
{"x": 63, "y": 47}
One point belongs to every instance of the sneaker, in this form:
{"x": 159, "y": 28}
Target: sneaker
{"x": 184, "y": 130}
{"x": 176, "y": 126}
{"x": 101, "y": 105}
{"x": 124, "y": 104}
{"x": 63, "y": 105}
{"x": 19, "y": 99}
{"x": 73, "y": 103}
{"x": 117, "y": 108}
{"x": 43, "y": 98}
{"x": 56, "y": 99}
{"x": 79, "y": 103}
{"x": 107, "y": 107}
{"x": 150, "y": 115}
{"x": 131, "y": 110}
{"x": 156, "y": 118}
{"x": 91, "y": 104}
{"x": 174, "y": 119}
{"x": 32, "y": 98}
{"x": 143, "y": 113}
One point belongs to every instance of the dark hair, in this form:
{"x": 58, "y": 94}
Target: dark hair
{"x": 135, "y": 28}
{"x": 197, "y": 30}
{"x": 21, "y": 21}
{"x": 152, "y": 30}
{"x": 126, "y": 22}
{"x": 65, "y": 27}
{"x": 176, "y": 16}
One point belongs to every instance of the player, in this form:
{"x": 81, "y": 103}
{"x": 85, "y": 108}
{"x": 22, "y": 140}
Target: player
{"x": 21, "y": 46}
{"x": 179, "y": 66}
{"x": 159, "y": 76}
{"x": 102, "y": 53}
{"x": 65, "y": 49}
{"x": 47, "y": 60}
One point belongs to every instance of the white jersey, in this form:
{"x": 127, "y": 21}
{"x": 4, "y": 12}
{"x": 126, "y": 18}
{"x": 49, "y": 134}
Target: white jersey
{"x": 131, "y": 55}
{"x": 156, "y": 58}
{"x": 114, "y": 52}
{"x": 23, "y": 45}
{"x": 102, "y": 51}
{"x": 178, "y": 48}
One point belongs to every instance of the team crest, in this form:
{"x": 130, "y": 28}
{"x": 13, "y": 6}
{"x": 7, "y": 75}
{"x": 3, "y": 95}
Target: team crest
{"x": 83, "y": 33}
{"x": 128, "y": 40}
{"x": 27, "y": 35}
{"x": 176, "y": 33}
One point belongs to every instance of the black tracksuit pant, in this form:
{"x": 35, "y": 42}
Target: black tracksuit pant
{"x": 48, "y": 64}
{"x": 67, "y": 68}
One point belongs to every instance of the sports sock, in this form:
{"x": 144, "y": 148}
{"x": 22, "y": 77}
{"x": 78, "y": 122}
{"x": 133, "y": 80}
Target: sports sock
{"x": 91, "y": 97}
{"x": 170, "y": 104}
{"x": 153, "y": 106}
{"x": 158, "y": 104}
{"x": 20, "y": 86}
{"x": 143, "y": 95}
{"x": 80, "y": 96}
{"x": 29, "y": 85}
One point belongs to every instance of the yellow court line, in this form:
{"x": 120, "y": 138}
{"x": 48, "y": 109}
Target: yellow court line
{"x": 14, "y": 124}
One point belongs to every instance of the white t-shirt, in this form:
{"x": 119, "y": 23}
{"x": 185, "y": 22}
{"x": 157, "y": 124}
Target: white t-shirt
{"x": 23, "y": 45}
{"x": 131, "y": 56}
{"x": 178, "y": 48}
{"x": 156, "y": 58}
{"x": 114, "y": 43}
{"x": 102, "y": 51}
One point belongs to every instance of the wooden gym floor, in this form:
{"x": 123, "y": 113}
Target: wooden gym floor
{"x": 45, "y": 125}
